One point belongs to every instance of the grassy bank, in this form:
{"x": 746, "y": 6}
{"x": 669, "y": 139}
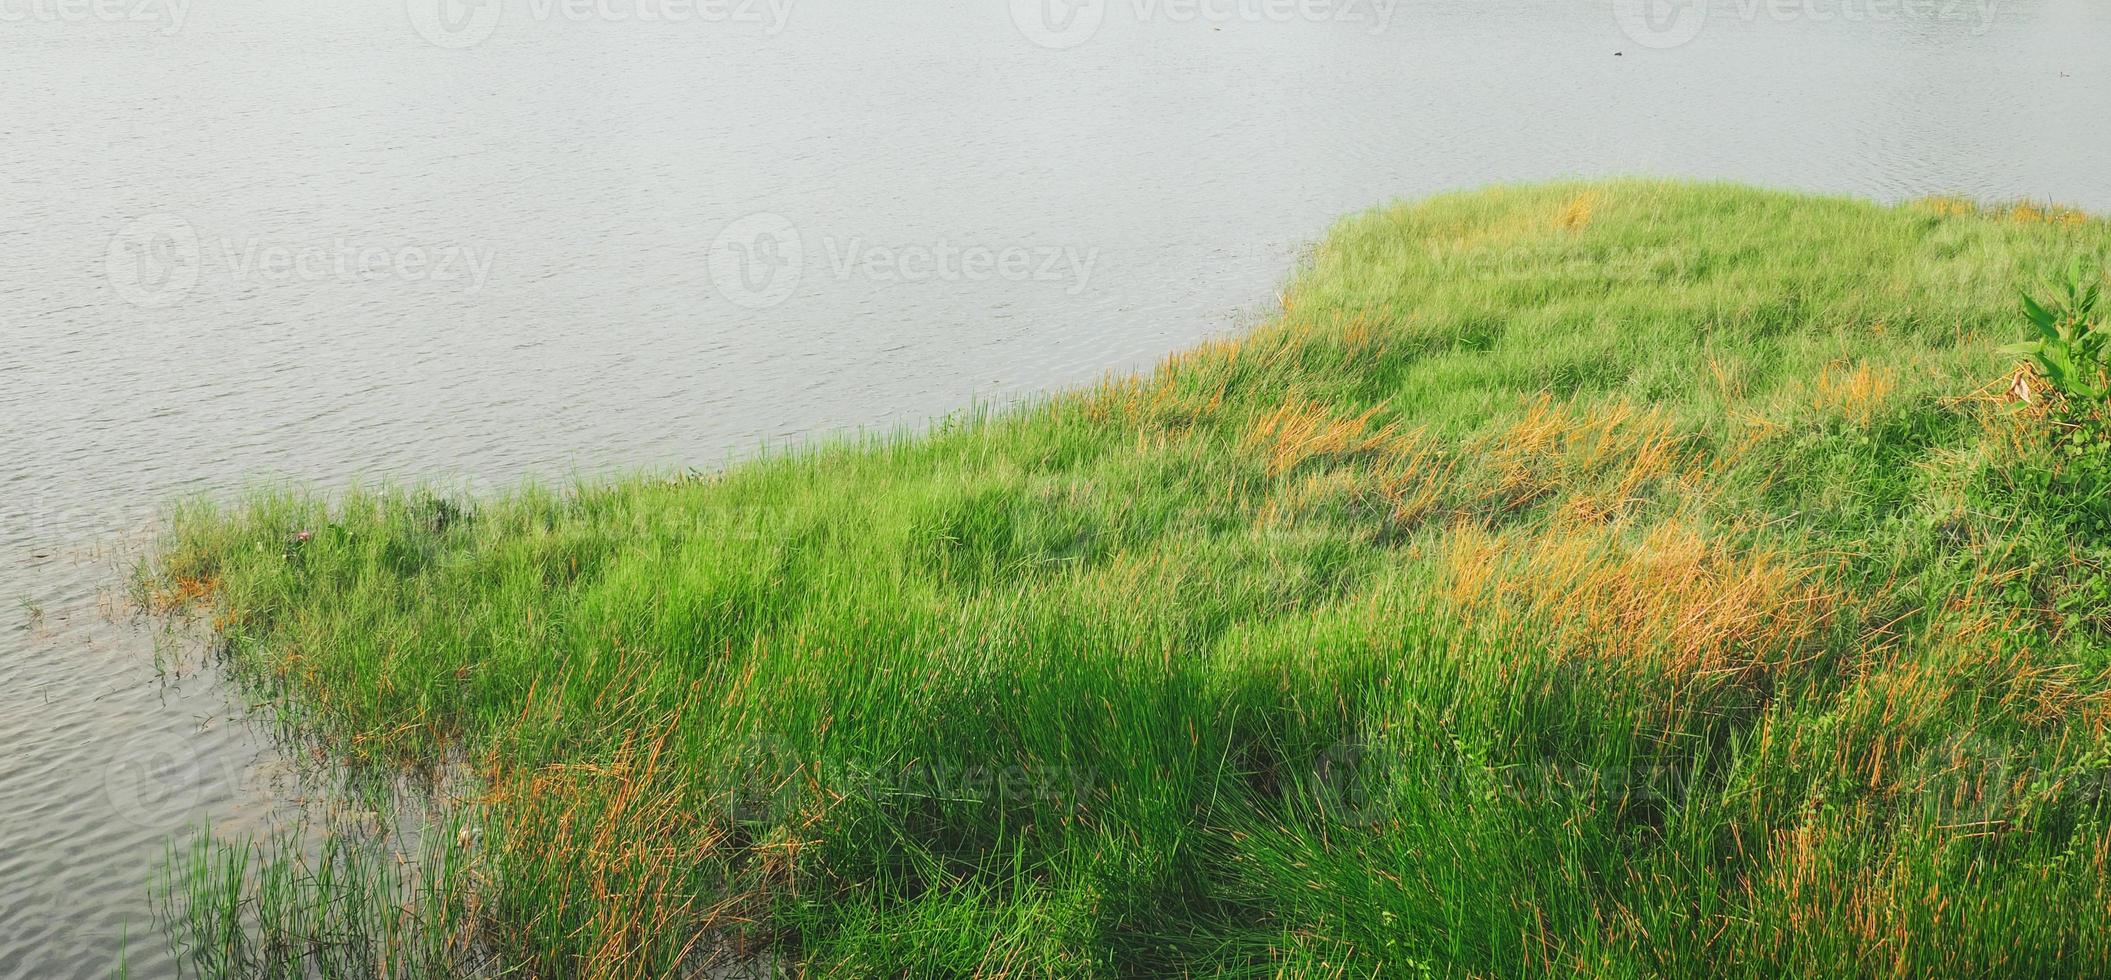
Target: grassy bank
{"x": 1613, "y": 580}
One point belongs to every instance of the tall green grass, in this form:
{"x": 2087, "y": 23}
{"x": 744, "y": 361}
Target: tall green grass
{"x": 1612, "y": 580}
{"x": 333, "y": 902}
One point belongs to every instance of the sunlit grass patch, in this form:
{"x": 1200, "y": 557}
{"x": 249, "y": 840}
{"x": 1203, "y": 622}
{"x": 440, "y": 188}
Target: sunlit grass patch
{"x": 1664, "y": 594}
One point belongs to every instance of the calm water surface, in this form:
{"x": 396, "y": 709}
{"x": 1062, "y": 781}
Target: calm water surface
{"x": 256, "y": 240}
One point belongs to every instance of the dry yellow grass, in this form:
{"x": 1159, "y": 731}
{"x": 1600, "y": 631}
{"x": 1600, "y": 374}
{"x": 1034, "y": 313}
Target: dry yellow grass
{"x": 2020, "y": 212}
{"x": 1299, "y": 431}
{"x": 1602, "y": 457}
{"x": 1667, "y": 595}
{"x": 1577, "y": 215}
{"x": 1855, "y": 393}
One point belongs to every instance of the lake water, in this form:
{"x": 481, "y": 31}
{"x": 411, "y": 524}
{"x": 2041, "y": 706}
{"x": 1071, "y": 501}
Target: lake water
{"x": 260, "y": 240}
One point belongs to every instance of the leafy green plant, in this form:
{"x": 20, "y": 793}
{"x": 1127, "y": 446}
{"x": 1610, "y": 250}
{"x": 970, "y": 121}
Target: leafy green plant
{"x": 2072, "y": 343}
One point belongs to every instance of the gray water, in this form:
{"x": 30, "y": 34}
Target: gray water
{"x": 245, "y": 241}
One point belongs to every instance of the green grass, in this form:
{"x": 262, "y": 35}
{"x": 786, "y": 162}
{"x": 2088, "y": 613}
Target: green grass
{"x": 340, "y": 903}
{"x": 1613, "y": 580}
